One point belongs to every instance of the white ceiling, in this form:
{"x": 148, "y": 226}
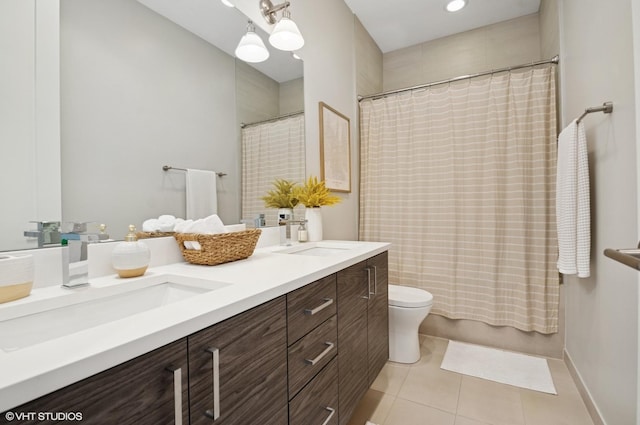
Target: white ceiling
{"x": 395, "y": 24}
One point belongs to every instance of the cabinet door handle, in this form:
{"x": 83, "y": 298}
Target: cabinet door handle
{"x": 332, "y": 412}
{"x": 375, "y": 280}
{"x": 327, "y": 303}
{"x": 177, "y": 393}
{"x": 369, "y": 293}
{"x": 321, "y": 355}
{"x": 215, "y": 380}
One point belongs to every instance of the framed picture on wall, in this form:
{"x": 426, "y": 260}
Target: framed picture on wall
{"x": 335, "y": 149}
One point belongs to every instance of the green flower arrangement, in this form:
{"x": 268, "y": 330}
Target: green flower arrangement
{"x": 282, "y": 196}
{"x": 314, "y": 193}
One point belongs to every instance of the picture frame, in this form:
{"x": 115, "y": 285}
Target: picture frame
{"x": 335, "y": 149}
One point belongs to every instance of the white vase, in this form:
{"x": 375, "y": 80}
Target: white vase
{"x": 314, "y": 223}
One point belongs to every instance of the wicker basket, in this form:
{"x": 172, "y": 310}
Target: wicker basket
{"x": 220, "y": 248}
{"x": 147, "y": 235}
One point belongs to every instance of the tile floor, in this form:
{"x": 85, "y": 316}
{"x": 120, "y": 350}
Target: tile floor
{"x": 424, "y": 394}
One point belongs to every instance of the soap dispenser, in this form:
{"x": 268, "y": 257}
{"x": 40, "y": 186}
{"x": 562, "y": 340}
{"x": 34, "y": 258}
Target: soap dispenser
{"x": 303, "y": 235}
{"x": 131, "y": 257}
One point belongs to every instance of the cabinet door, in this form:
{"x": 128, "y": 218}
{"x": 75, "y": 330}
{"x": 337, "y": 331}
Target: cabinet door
{"x": 352, "y": 338}
{"x": 150, "y": 389}
{"x": 378, "y": 315}
{"x": 240, "y": 365}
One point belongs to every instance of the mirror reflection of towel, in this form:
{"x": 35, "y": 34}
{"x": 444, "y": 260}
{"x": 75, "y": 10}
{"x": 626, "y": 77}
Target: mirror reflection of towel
{"x": 202, "y": 199}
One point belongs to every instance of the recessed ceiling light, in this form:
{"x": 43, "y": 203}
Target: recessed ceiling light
{"x": 227, "y": 3}
{"x": 455, "y": 5}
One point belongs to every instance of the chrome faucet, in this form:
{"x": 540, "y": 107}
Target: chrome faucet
{"x": 287, "y": 224}
{"x": 75, "y": 241}
{"x": 48, "y": 232}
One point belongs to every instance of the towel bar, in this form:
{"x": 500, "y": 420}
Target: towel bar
{"x": 168, "y": 167}
{"x": 607, "y": 108}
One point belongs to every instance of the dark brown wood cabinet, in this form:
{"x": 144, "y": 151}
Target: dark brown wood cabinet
{"x": 238, "y": 369}
{"x": 363, "y": 330}
{"x": 317, "y": 403}
{"x": 304, "y": 358}
{"x": 378, "y": 316}
{"x": 139, "y": 392}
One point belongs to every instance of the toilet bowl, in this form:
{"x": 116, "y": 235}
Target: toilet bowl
{"x": 408, "y": 307}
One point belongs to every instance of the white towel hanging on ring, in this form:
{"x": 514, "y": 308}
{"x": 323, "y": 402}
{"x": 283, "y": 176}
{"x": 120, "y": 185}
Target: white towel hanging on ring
{"x": 573, "y": 202}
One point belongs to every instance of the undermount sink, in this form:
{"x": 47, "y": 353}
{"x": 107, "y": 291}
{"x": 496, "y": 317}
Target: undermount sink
{"x": 318, "y": 249}
{"x": 97, "y": 306}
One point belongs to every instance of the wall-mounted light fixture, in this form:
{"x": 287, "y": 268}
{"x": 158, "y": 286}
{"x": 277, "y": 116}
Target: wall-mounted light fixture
{"x": 286, "y": 35}
{"x": 251, "y": 47}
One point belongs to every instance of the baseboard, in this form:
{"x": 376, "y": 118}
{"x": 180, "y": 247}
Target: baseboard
{"x": 596, "y": 417}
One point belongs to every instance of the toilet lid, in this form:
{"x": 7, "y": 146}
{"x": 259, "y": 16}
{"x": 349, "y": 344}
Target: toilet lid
{"x": 405, "y": 296}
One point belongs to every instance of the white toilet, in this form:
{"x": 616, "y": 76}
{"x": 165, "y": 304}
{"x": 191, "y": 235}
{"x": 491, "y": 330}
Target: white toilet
{"x": 408, "y": 307}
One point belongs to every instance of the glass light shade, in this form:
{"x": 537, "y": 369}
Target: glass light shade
{"x": 251, "y": 48}
{"x": 286, "y": 35}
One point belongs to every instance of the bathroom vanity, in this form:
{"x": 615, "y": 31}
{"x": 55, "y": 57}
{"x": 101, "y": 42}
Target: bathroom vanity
{"x": 288, "y": 336}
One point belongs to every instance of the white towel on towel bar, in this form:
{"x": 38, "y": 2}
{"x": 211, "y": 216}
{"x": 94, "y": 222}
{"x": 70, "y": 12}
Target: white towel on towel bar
{"x": 202, "y": 199}
{"x": 572, "y": 202}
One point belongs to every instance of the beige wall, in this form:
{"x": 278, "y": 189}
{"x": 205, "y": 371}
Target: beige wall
{"x": 291, "y": 96}
{"x": 257, "y": 96}
{"x": 602, "y": 311}
{"x": 495, "y": 46}
{"x": 368, "y": 62}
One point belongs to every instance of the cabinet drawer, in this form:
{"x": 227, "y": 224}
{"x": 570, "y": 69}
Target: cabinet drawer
{"x": 317, "y": 404}
{"x": 311, "y": 353}
{"x": 309, "y": 306}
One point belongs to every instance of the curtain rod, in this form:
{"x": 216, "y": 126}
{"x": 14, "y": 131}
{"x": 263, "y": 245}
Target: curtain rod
{"x": 281, "y": 117}
{"x": 554, "y": 60}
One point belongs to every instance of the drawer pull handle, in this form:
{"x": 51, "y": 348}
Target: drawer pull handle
{"x": 177, "y": 393}
{"x": 327, "y": 303}
{"x": 331, "y": 413}
{"x": 321, "y": 355}
{"x": 215, "y": 378}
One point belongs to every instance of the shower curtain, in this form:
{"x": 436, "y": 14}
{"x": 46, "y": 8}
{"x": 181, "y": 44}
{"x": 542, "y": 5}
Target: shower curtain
{"x": 270, "y": 150}
{"x": 460, "y": 178}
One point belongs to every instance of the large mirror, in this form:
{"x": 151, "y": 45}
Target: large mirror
{"x": 139, "y": 89}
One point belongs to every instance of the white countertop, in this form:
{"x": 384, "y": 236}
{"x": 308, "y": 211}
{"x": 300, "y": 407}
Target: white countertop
{"x": 38, "y": 369}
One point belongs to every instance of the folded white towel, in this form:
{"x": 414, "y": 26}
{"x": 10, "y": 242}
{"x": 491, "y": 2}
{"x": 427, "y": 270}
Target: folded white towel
{"x": 202, "y": 199}
{"x": 572, "y": 202}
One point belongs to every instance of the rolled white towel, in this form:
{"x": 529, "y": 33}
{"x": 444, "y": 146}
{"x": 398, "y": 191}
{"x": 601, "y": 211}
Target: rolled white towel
{"x": 182, "y": 226}
{"x": 167, "y": 218}
{"x": 151, "y": 225}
